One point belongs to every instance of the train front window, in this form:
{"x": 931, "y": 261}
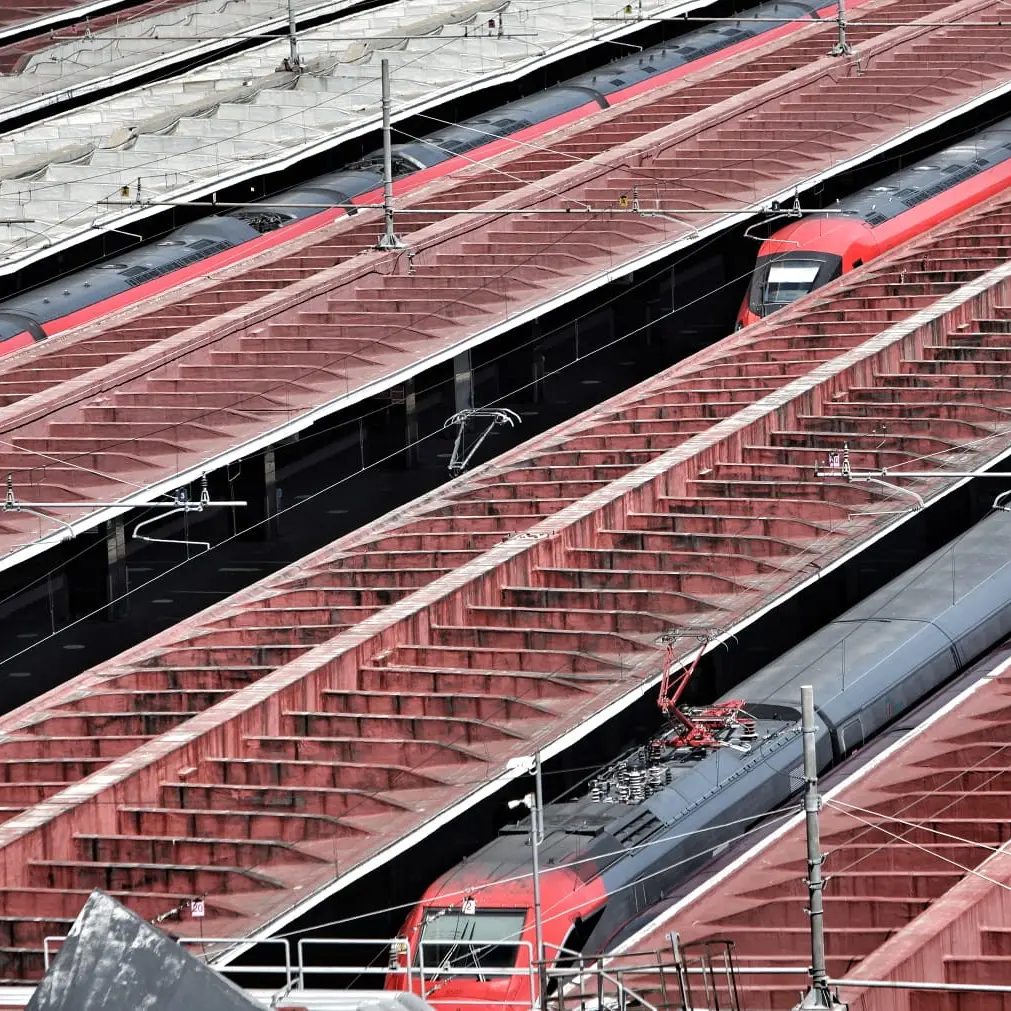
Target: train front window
{"x": 786, "y": 282}
{"x": 455, "y": 943}
{"x": 782, "y": 278}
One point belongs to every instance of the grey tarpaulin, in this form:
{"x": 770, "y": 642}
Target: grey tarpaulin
{"x": 115, "y": 961}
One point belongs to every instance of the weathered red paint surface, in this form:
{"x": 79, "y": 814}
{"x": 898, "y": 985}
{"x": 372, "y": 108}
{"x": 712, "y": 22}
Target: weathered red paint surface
{"x": 307, "y": 724}
{"x": 345, "y": 701}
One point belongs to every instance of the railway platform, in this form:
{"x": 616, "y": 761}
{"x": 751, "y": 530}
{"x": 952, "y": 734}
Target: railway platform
{"x": 283, "y": 744}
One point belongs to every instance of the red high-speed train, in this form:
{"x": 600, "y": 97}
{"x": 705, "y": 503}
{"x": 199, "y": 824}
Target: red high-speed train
{"x": 809, "y": 253}
{"x": 220, "y": 240}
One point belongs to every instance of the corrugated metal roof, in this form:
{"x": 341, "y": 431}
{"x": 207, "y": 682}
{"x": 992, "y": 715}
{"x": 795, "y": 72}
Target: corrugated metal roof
{"x": 100, "y": 50}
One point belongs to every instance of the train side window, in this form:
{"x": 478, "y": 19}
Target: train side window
{"x": 858, "y": 263}
{"x": 851, "y": 736}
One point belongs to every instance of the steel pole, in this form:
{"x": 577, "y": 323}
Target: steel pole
{"x": 842, "y": 47}
{"x": 294, "y": 64}
{"x": 389, "y": 238}
{"x": 536, "y": 837}
{"x": 818, "y": 996}
{"x": 539, "y": 797}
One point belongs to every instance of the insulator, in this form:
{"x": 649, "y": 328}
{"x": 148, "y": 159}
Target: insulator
{"x": 637, "y": 786}
{"x": 656, "y": 748}
{"x": 596, "y": 792}
{"x": 623, "y": 788}
{"x": 670, "y": 774}
{"x": 657, "y": 777}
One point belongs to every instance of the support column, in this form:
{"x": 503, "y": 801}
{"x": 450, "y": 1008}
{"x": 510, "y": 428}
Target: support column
{"x": 94, "y": 576}
{"x": 364, "y": 450}
{"x": 389, "y": 238}
{"x": 463, "y": 381}
{"x": 117, "y": 581}
{"x": 58, "y": 592}
{"x": 411, "y": 427}
{"x": 256, "y": 484}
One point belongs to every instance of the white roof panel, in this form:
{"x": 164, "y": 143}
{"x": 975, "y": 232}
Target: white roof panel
{"x": 61, "y": 180}
{"x": 136, "y": 45}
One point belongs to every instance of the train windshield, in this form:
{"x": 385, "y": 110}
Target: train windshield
{"x": 786, "y": 282}
{"x": 783, "y": 278}
{"x": 455, "y": 943}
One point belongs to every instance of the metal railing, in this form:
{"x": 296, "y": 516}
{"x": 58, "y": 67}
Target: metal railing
{"x": 690, "y": 977}
{"x": 651, "y": 981}
{"x": 604, "y": 988}
{"x": 395, "y": 944}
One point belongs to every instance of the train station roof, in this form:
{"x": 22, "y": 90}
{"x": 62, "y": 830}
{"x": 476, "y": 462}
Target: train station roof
{"x": 19, "y": 16}
{"x": 292, "y": 739}
{"x": 64, "y": 179}
{"x": 541, "y": 227}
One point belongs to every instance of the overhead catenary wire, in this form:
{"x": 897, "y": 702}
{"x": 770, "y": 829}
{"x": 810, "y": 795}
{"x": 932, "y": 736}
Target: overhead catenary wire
{"x": 954, "y": 778}
{"x": 393, "y": 455}
{"x": 344, "y": 356}
{"x": 879, "y": 826}
{"x": 271, "y": 36}
{"x": 654, "y": 320}
{"x": 765, "y": 821}
{"x": 353, "y": 421}
{"x": 786, "y": 813}
{"x": 372, "y": 39}
{"x": 311, "y": 371}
